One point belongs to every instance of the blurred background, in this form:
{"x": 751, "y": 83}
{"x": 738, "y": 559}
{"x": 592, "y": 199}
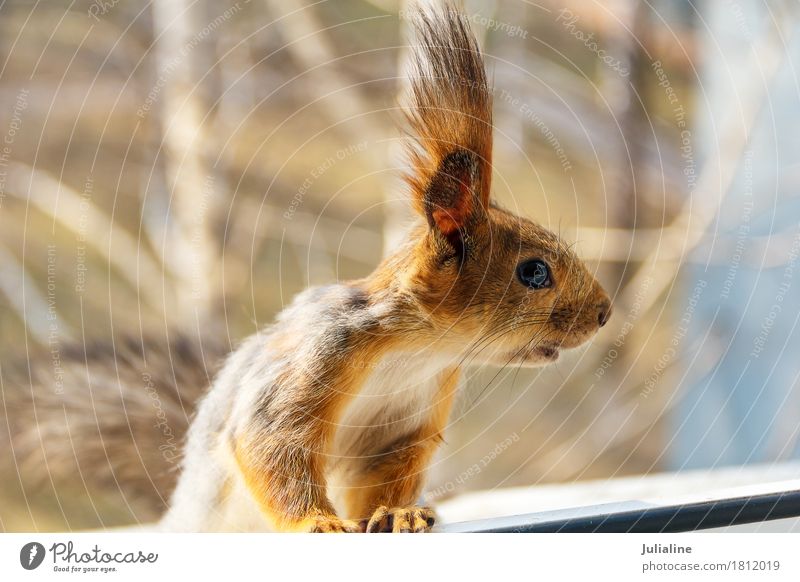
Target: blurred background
{"x": 188, "y": 166}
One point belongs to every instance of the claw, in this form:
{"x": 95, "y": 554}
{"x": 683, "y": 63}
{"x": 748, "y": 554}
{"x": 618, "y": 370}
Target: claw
{"x": 374, "y": 524}
{"x": 401, "y": 520}
{"x": 325, "y": 524}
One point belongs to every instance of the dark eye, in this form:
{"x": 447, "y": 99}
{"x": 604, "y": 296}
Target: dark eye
{"x": 534, "y": 274}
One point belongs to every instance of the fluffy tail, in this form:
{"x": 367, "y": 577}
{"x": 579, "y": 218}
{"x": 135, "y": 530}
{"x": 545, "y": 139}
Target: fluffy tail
{"x": 449, "y": 102}
{"x": 105, "y": 419}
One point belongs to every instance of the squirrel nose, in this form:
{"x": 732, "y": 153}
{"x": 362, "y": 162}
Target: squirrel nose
{"x": 604, "y": 312}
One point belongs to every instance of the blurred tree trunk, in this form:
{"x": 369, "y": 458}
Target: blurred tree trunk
{"x": 623, "y": 93}
{"x": 183, "y": 56}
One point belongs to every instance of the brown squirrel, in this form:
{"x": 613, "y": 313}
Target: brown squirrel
{"x": 326, "y": 420}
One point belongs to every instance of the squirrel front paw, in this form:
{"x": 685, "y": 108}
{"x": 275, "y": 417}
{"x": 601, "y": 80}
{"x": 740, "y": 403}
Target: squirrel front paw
{"x": 329, "y": 524}
{"x": 411, "y": 519}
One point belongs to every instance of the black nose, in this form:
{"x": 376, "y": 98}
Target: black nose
{"x": 604, "y": 313}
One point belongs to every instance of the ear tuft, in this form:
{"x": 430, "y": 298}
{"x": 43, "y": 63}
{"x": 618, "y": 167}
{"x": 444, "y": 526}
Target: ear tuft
{"x": 449, "y": 110}
{"x": 451, "y": 201}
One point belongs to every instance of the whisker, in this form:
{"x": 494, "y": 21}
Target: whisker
{"x": 503, "y": 367}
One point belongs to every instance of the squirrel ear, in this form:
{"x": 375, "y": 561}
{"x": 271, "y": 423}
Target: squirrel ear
{"x": 451, "y": 200}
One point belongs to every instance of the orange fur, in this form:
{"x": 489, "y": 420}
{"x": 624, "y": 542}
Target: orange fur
{"x": 284, "y": 469}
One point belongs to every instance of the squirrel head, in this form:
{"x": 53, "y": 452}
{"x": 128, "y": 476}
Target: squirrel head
{"x": 503, "y": 286}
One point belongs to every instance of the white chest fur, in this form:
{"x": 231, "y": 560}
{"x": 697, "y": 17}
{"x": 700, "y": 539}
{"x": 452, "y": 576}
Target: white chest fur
{"x": 395, "y": 398}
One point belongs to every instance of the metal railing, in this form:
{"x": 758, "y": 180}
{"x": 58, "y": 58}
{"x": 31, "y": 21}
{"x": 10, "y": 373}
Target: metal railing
{"x": 642, "y": 518}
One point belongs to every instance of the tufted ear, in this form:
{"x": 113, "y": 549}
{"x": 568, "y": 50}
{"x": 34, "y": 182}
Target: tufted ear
{"x": 451, "y": 200}
{"x": 449, "y": 111}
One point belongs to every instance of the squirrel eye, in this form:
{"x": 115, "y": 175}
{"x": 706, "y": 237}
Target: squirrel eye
{"x": 534, "y": 274}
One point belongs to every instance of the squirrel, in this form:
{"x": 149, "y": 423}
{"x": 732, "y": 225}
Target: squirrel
{"x": 326, "y": 420}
